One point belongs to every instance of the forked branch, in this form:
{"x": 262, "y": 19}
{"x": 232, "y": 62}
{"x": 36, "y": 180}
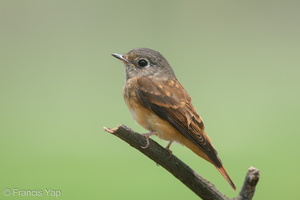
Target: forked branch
{"x": 180, "y": 170}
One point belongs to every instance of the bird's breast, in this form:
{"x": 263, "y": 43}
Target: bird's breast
{"x": 142, "y": 115}
{"x": 145, "y": 116}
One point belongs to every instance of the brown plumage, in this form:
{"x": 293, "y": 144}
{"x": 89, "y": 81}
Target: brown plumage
{"x": 161, "y": 105}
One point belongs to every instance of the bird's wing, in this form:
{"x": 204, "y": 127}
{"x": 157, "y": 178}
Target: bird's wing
{"x": 169, "y": 100}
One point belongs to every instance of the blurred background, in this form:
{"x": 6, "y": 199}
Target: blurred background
{"x": 60, "y": 86}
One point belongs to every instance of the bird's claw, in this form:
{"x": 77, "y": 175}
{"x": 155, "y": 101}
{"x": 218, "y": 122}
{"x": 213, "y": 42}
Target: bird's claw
{"x": 169, "y": 150}
{"x": 147, "y": 135}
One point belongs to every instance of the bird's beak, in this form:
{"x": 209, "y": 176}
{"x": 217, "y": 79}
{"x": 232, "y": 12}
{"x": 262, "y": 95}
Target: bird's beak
{"x": 120, "y": 57}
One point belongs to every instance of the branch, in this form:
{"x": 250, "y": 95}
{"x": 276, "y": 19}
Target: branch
{"x": 180, "y": 170}
{"x": 248, "y": 189}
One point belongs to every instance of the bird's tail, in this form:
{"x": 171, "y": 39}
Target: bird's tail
{"x": 226, "y": 176}
{"x": 212, "y": 158}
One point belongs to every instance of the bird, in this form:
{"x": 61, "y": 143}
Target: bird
{"x": 160, "y": 104}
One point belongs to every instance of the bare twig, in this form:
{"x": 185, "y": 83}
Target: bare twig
{"x": 248, "y": 189}
{"x": 180, "y": 170}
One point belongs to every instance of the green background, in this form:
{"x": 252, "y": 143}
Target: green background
{"x": 239, "y": 60}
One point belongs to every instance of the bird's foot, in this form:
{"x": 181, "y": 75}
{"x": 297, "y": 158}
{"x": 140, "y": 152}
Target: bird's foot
{"x": 147, "y": 135}
{"x": 168, "y": 149}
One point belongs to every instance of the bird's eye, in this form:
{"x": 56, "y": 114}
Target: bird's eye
{"x": 143, "y": 63}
